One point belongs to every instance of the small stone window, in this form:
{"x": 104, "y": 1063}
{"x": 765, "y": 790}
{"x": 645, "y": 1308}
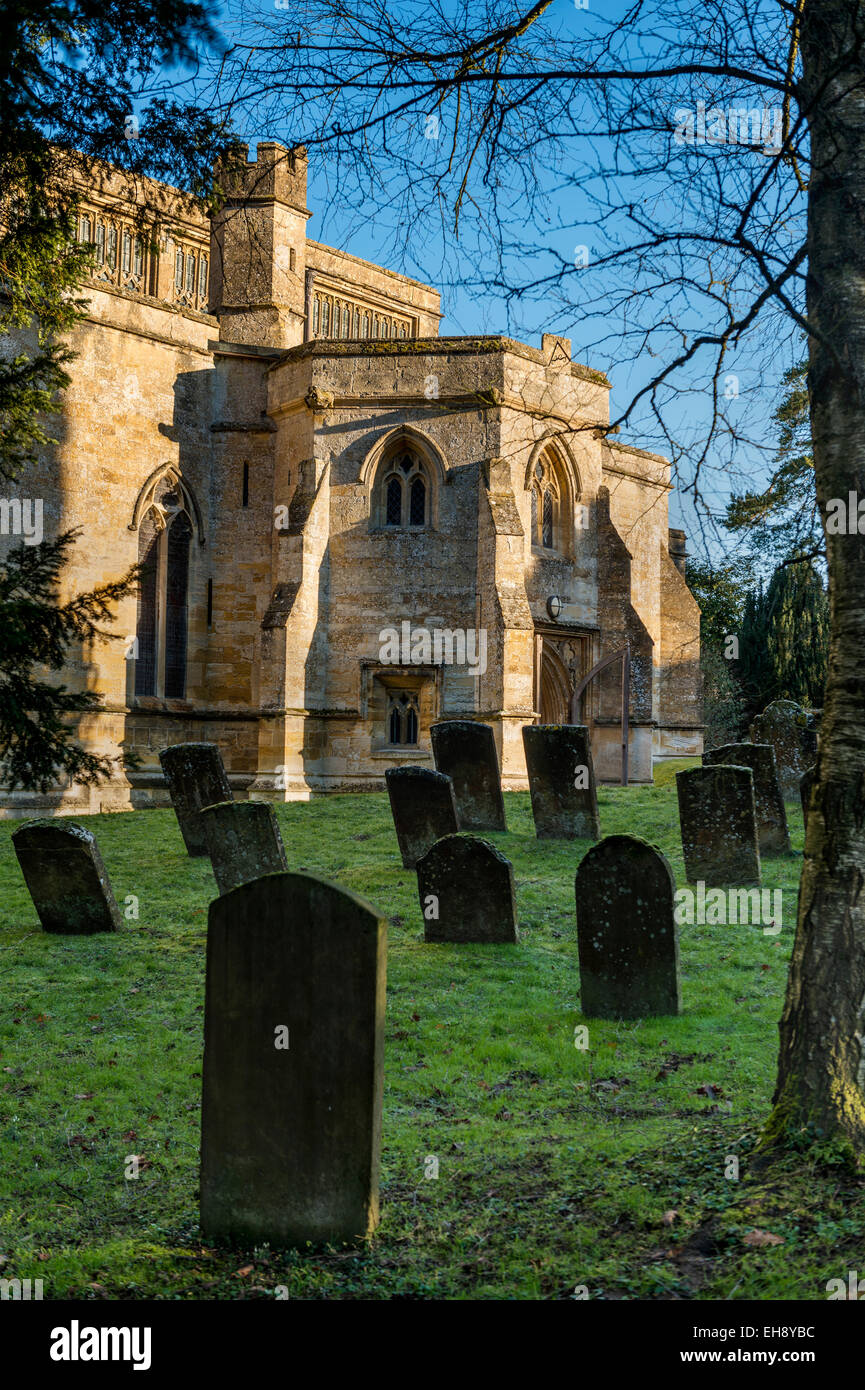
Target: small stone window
{"x": 403, "y": 719}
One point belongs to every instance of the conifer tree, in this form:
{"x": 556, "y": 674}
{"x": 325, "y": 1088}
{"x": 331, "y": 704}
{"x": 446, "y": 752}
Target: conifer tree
{"x": 71, "y": 73}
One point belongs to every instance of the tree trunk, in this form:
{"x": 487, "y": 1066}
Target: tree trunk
{"x": 821, "y": 1067}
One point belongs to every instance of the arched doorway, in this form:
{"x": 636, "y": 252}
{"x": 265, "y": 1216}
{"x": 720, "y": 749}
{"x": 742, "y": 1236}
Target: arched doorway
{"x": 556, "y": 688}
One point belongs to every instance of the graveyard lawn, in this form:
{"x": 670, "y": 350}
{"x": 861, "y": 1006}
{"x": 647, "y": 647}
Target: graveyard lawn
{"x": 561, "y": 1172}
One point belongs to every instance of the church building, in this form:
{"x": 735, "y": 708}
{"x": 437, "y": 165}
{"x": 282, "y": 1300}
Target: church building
{"x": 349, "y": 526}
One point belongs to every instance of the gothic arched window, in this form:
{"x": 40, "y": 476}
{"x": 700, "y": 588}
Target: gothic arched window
{"x": 547, "y": 529}
{"x": 405, "y": 493}
{"x": 148, "y": 559}
{"x": 176, "y": 588}
{"x": 164, "y": 552}
{"x": 402, "y": 718}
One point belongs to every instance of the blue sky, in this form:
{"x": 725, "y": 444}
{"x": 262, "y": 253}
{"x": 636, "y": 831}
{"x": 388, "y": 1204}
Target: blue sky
{"x": 583, "y": 307}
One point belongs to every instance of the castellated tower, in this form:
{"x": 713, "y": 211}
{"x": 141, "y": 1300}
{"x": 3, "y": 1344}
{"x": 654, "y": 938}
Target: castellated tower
{"x": 259, "y": 249}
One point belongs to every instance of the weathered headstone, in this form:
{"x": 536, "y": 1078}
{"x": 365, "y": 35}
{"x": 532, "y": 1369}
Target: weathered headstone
{"x": 561, "y": 781}
{"x": 718, "y": 822}
{"x": 243, "y": 841}
{"x": 465, "y": 751}
{"x": 293, "y": 1052}
{"x": 791, "y": 731}
{"x": 66, "y": 877}
{"x": 807, "y": 782}
{"x": 196, "y": 778}
{"x": 423, "y": 807}
{"x": 626, "y": 932}
{"x": 466, "y": 890}
{"x": 772, "y": 829}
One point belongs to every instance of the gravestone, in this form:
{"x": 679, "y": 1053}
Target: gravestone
{"x": 807, "y": 782}
{"x": 718, "y": 823}
{"x": 66, "y": 877}
{"x": 293, "y": 1063}
{"x": 243, "y": 841}
{"x": 790, "y": 730}
{"x": 561, "y": 781}
{"x": 196, "y": 778}
{"x": 466, "y": 890}
{"x": 626, "y": 932}
{"x": 423, "y": 808}
{"x": 772, "y": 829}
{"x": 465, "y": 751}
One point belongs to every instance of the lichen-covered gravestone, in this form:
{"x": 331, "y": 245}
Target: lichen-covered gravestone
{"x": 66, "y": 877}
{"x": 561, "y": 781}
{"x": 718, "y": 823}
{"x": 293, "y": 1063}
{"x": 243, "y": 841}
{"x": 772, "y": 829}
{"x": 626, "y": 932}
{"x": 790, "y": 730}
{"x": 423, "y": 807}
{"x": 465, "y": 751}
{"x": 807, "y": 782}
{"x": 196, "y": 778}
{"x": 466, "y": 890}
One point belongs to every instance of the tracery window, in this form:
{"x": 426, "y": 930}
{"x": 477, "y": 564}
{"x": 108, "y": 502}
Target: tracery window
{"x": 546, "y": 507}
{"x": 125, "y": 257}
{"x": 402, "y": 718}
{"x": 164, "y": 553}
{"x": 406, "y": 493}
{"x": 190, "y": 277}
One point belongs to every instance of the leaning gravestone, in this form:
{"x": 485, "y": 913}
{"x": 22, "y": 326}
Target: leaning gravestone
{"x": 790, "y": 729}
{"x": 561, "y": 781}
{"x": 196, "y": 778}
{"x": 423, "y": 807}
{"x": 626, "y": 932}
{"x": 466, "y": 890}
{"x": 718, "y": 822}
{"x": 67, "y": 879}
{"x": 807, "y": 782}
{"x": 243, "y": 841}
{"x": 769, "y": 803}
{"x": 293, "y": 1063}
{"x": 465, "y": 751}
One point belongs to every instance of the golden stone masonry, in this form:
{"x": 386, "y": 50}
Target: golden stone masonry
{"x": 350, "y": 527}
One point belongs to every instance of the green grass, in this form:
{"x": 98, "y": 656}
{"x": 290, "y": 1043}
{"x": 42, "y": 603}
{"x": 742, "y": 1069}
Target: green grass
{"x": 556, "y": 1166}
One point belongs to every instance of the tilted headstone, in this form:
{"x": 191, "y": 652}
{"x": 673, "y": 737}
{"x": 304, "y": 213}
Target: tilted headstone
{"x": 772, "y": 829}
{"x": 66, "y": 877}
{"x": 466, "y": 890}
{"x": 196, "y": 778}
{"x": 561, "y": 781}
{"x": 718, "y": 823}
{"x": 465, "y": 751}
{"x": 243, "y": 841}
{"x": 423, "y": 807}
{"x": 790, "y": 730}
{"x": 293, "y": 1063}
{"x": 626, "y": 931}
{"x": 807, "y": 782}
